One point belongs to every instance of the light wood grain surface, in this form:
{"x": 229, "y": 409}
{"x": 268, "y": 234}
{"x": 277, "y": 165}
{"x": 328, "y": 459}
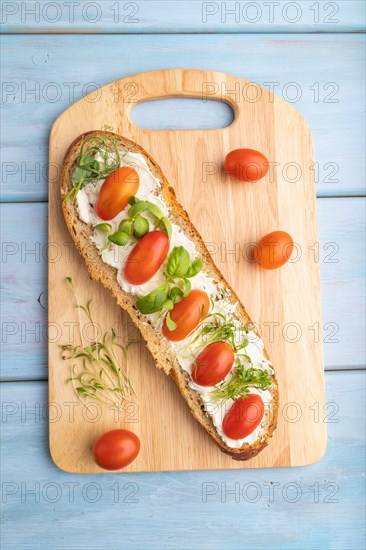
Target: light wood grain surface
{"x": 225, "y": 213}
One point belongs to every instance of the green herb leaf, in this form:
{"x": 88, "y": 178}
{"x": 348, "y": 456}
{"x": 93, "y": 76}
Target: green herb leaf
{"x": 95, "y": 370}
{"x": 167, "y": 226}
{"x": 178, "y": 262}
{"x": 136, "y": 209}
{"x": 242, "y": 379}
{"x": 155, "y": 210}
{"x": 176, "y": 294}
{"x": 217, "y": 327}
{"x": 104, "y": 227}
{"x": 88, "y": 168}
{"x": 140, "y": 227}
{"x": 80, "y": 174}
{"x": 119, "y": 238}
{"x": 186, "y": 287}
{"x": 167, "y": 305}
{"x": 170, "y": 323}
{"x": 153, "y": 302}
{"x": 125, "y": 226}
{"x": 194, "y": 268}
{"x": 133, "y": 200}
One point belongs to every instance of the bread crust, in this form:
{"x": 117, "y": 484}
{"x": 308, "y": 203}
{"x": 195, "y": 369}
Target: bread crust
{"x": 163, "y": 355}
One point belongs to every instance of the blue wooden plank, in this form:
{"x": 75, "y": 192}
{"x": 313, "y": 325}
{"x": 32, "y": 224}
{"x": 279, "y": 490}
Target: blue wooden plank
{"x": 175, "y": 16}
{"x": 24, "y": 280}
{"x": 45, "y": 507}
{"x": 322, "y": 75}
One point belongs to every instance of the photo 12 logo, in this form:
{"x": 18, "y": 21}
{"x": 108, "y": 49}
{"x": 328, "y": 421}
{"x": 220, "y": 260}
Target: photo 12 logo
{"x": 270, "y": 12}
{"x": 252, "y": 92}
{"x": 69, "y": 12}
{"x": 269, "y": 492}
{"x": 68, "y": 492}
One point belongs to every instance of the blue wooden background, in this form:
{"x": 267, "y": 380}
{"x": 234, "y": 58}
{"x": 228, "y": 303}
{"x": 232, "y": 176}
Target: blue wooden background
{"x": 313, "y": 53}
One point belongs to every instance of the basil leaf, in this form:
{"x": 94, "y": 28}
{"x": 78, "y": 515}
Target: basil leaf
{"x": 178, "y": 262}
{"x": 170, "y": 323}
{"x": 132, "y": 200}
{"x": 153, "y": 302}
{"x": 167, "y": 226}
{"x": 187, "y": 287}
{"x": 136, "y": 209}
{"x": 194, "y": 268}
{"x": 140, "y": 227}
{"x": 155, "y": 210}
{"x": 160, "y": 298}
{"x": 119, "y": 238}
{"x": 168, "y": 304}
{"x": 176, "y": 294}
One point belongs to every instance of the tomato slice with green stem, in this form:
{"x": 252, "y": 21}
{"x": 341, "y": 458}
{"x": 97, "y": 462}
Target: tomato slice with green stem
{"x": 186, "y": 315}
{"x": 113, "y": 196}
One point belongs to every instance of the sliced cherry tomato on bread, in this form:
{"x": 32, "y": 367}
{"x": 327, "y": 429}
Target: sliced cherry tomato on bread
{"x": 116, "y": 449}
{"x": 246, "y": 165}
{"x": 113, "y": 196}
{"x": 186, "y": 315}
{"x": 243, "y": 417}
{"x": 274, "y": 250}
{"x": 213, "y": 364}
{"x": 146, "y": 257}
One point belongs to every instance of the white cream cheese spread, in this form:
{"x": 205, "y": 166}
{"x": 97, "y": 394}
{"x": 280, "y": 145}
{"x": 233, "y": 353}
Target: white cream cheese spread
{"x": 116, "y": 256}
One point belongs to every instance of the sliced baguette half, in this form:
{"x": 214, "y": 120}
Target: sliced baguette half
{"x": 163, "y": 355}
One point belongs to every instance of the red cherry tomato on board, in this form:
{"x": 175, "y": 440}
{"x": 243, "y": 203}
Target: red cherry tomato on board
{"x": 213, "y": 364}
{"x": 187, "y": 314}
{"x": 246, "y": 165}
{"x": 243, "y": 417}
{"x": 116, "y": 449}
{"x": 146, "y": 257}
{"x": 274, "y": 250}
{"x": 113, "y": 196}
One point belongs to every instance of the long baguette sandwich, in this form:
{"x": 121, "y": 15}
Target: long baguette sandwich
{"x": 140, "y": 243}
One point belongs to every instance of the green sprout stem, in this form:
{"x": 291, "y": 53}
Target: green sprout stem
{"x": 95, "y": 369}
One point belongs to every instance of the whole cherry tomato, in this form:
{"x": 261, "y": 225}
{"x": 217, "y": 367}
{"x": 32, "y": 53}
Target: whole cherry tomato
{"x": 146, "y": 257}
{"x": 213, "y": 364}
{"x": 187, "y": 314}
{"x": 243, "y": 417}
{"x": 274, "y": 250}
{"x": 113, "y": 196}
{"x": 116, "y": 449}
{"x": 246, "y": 165}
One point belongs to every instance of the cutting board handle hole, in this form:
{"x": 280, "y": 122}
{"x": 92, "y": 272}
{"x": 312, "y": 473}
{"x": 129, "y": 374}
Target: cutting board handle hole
{"x": 182, "y": 114}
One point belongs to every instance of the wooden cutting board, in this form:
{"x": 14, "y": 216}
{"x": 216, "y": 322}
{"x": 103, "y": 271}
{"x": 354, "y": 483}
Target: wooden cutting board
{"x": 229, "y": 215}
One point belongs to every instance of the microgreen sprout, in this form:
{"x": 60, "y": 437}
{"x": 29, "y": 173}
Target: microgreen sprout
{"x": 88, "y": 168}
{"x": 217, "y": 327}
{"x": 136, "y": 225}
{"x": 241, "y": 380}
{"x": 96, "y": 373}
